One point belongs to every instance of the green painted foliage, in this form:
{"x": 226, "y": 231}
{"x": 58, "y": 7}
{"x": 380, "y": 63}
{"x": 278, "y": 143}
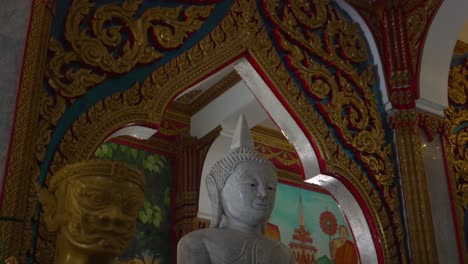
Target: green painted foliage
{"x": 152, "y": 241}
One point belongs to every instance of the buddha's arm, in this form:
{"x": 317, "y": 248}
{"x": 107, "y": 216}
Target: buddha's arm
{"x": 192, "y": 250}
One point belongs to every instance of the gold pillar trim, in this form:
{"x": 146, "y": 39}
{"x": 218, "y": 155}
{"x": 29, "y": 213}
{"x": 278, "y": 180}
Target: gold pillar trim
{"x": 414, "y": 184}
{"x": 19, "y": 194}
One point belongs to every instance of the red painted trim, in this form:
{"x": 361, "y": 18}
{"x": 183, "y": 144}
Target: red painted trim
{"x": 18, "y": 93}
{"x": 452, "y": 202}
{"x": 367, "y": 214}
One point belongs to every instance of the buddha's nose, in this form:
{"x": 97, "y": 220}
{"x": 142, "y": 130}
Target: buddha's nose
{"x": 262, "y": 191}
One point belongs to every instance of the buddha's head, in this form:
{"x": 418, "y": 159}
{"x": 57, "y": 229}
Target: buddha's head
{"x": 93, "y": 205}
{"x": 242, "y": 185}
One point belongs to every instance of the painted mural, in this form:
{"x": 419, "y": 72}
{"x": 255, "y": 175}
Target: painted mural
{"x": 313, "y": 226}
{"x": 152, "y": 243}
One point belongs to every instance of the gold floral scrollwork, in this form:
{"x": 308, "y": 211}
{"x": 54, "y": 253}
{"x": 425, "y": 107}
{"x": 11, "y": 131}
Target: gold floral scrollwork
{"x": 457, "y": 120}
{"x": 350, "y": 111}
{"x": 282, "y": 156}
{"x": 458, "y": 83}
{"x": 352, "y": 44}
{"x": 115, "y": 41}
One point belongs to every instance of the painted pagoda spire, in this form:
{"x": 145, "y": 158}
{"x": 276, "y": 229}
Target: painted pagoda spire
{"x": 302, "y": 243}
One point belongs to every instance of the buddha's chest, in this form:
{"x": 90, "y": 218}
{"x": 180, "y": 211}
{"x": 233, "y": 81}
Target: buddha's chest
{"x": 241, "y": 250}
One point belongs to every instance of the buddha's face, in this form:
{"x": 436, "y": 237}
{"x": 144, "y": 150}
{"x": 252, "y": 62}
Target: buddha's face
{"x": 249, "y": 194}
{"x": 100, "y": 213}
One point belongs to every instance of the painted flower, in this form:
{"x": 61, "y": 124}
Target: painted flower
{"x": 328, "y": 223}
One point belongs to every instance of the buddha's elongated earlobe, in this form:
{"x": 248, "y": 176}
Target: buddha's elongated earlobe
{"x": 216, "y": 206}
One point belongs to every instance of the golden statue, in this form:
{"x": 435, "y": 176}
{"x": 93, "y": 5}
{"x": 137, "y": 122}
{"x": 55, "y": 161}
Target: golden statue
{"x": 92, "y": 205}
{"x": 11, "y": 260}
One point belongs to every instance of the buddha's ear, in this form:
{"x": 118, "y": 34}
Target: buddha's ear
{"x": 216, "y": 205}
{"x": 49, "y": 206}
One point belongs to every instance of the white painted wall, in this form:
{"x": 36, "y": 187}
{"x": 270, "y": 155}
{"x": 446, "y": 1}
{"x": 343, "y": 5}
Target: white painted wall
{"x": 437, "y": 55}
{"x": 439, "y": 199}
{"x": 14, "y": 18}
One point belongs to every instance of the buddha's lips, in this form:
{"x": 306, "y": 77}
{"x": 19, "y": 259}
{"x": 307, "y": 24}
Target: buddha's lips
{"x": 261, "y": 205}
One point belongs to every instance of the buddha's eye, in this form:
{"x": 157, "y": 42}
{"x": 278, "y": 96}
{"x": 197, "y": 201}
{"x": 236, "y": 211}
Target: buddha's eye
{"x": 252, "y": 184}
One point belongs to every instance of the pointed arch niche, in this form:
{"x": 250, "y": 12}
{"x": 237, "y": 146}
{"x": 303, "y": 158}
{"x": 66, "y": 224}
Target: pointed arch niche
{"x": 257, "y": 101}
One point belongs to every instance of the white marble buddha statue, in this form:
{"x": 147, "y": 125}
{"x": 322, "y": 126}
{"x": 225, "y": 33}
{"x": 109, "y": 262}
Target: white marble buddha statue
{"x": 242, "y": 190}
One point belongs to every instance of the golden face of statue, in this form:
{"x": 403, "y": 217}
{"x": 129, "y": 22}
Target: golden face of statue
{"x": 99, "y": 213}
{"x": 93, "y": 205}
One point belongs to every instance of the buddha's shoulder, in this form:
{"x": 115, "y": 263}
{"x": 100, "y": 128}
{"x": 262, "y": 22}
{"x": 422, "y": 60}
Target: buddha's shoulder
{"x": 273, "y": 242}
{"x": 276, "y": 248}
{"x": 191, "y": 241}
{"x": 201, "y": 235}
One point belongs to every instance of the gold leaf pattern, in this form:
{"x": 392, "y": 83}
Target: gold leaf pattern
{"x": 457, "y": 119}
{"x": 100, "y": 48}
{"x": 361, "y": 125}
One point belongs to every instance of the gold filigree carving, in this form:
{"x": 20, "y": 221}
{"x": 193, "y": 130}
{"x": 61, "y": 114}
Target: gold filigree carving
{"x": 361, "y": 127}
{"x": 241, "y": 32}
{"x": 456, "y": 141}
{"x": 19, "y": 195}
{"x": 458, "y": 83}
{"x": 389, "y": 225}
{"x": 284, "y": 157}
{"x": 104, "y": 47}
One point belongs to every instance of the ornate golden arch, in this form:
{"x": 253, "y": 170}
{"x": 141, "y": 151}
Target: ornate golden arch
{"x": 241, "y": 33}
